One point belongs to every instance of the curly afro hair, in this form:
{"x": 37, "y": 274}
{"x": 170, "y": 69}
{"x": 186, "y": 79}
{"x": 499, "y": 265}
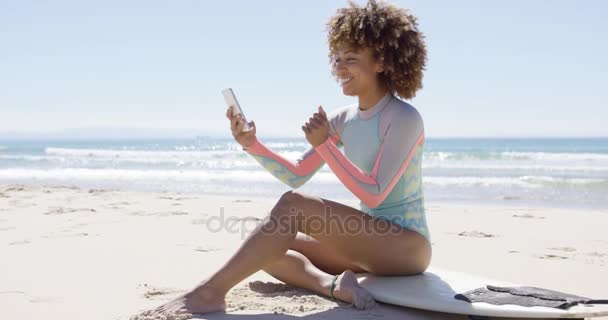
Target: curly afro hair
{"x": 392, "y": 35}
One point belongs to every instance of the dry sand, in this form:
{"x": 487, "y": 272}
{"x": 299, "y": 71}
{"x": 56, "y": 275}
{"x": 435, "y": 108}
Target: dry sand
{"x": 69, "y": 253}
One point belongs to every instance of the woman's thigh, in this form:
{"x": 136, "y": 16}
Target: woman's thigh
{"x": 373, "y": 245}
{"x": 323, "y": 257}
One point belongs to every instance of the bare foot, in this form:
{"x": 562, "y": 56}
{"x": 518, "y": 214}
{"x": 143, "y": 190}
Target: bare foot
{"x": 203, "y": 299}
{"x": 348, "y": 290}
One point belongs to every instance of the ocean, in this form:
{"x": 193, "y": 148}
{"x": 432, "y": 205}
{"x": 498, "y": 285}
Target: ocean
{"x": 553, "y": 172}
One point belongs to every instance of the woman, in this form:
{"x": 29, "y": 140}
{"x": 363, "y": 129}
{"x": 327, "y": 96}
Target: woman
{"x": 376, "y": 53}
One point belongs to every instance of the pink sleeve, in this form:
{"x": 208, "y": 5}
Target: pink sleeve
{"x": 288, "y": 172}
{"x": 307, "y": 163}
{"x": 396, "y": 151}
{"x": 296, "y": 174}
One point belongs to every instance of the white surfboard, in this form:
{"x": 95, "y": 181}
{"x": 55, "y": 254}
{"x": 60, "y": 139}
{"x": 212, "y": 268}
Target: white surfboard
{"x": 435, "y": 289}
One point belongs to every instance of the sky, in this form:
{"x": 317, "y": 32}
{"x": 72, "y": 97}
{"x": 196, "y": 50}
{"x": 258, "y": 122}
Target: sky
{"x": 519, "y": 68}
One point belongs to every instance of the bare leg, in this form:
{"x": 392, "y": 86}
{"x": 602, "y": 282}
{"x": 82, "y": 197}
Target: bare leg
{"x": 295, "y": 269}
{"x": 370, "y": 246}
{"x": 267, "y": 243}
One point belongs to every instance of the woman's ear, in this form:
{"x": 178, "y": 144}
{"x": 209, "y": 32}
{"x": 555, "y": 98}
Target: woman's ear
{"x": 380, "y": 66}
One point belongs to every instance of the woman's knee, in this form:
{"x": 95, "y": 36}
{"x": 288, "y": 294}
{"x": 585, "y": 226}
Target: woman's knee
{"x": 287, "y": 203}
{"x": 292, "y": 196}
{"x": 284, "y": 212}
{"x": 282, "y": 205}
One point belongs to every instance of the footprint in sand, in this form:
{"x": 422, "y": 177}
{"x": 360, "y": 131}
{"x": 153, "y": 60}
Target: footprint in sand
{"x": 14, "y": 188}
{"x": 527, "y": 216}
{"x": 120, "y": 203}
{"x": 117, "y": 205}
{"x": 245, "y": 219}
{"x": 206, "y": 249}
{"x": 152, "y": 292}
{"x": 476, "y": 234}
{"x": 241, "y": 200}
{"x": 198, "y": 221}
{"x": 552, "y": 257}
{"x": 509, "y": 198}
{"x": 62, "y": 210}
{"x": 69, "y": 234}
{"x": 564, "y": 249}
{"x": 140, "y": 213}
{"x": 171, "y": 213}
{"x": 175, "y": 198}
{"x": 19, "y": 242}
{"x": 160, "y": 214}
{"x": 97, "y": 191}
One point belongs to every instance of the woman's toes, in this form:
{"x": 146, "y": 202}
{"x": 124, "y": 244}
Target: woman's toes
{"x": 364, "y": 301}
{"x": 348, "y": 290}
{"x": 370, "y": 303}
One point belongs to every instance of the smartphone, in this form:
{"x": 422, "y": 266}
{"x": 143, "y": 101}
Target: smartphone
{"x": 230, "y": 99}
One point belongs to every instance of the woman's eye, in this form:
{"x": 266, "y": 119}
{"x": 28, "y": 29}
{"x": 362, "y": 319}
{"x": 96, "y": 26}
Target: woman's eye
{"x": 338, "y": 60}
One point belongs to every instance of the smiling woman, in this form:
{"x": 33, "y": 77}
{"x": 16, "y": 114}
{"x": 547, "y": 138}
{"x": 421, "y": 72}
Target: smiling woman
{"x": 309, "y": 241}
{"x": 384, "y": 34}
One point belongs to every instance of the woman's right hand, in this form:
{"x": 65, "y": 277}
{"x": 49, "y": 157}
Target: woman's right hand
{"x": 245, "y": 139}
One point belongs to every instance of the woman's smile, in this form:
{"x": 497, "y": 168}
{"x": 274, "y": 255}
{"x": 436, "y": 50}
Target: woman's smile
{"x": 344, "y": 81}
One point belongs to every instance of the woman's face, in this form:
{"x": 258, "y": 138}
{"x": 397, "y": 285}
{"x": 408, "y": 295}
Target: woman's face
{"x": 357, "y": 71}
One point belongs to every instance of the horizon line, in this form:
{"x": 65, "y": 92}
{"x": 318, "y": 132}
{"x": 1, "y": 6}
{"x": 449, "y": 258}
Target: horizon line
{"x": 213, "y": 136}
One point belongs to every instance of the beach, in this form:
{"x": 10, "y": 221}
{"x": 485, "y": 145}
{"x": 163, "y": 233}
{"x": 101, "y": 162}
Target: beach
{"x": 72, "y": 253}
{"x": 125, "y": 182}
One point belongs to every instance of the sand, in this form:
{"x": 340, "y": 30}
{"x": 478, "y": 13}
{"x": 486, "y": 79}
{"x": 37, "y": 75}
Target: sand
{"x": 70, "y": 253}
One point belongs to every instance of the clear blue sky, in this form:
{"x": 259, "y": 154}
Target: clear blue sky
{"x": 495, "y": 68}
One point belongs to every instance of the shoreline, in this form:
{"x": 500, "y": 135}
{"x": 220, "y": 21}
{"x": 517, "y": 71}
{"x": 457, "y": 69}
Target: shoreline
{"x": 508, "y": 202}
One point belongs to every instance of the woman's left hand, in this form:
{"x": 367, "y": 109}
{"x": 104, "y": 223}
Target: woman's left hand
{"x": 317, "y": 128}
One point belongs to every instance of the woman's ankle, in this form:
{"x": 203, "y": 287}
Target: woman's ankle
{"x": 207, "y": 293}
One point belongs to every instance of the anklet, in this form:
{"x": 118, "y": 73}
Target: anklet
{"x": 333, "y": 287}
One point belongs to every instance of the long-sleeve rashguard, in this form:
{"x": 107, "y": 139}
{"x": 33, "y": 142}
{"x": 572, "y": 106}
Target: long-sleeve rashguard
{"x": 381, "y": 163}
